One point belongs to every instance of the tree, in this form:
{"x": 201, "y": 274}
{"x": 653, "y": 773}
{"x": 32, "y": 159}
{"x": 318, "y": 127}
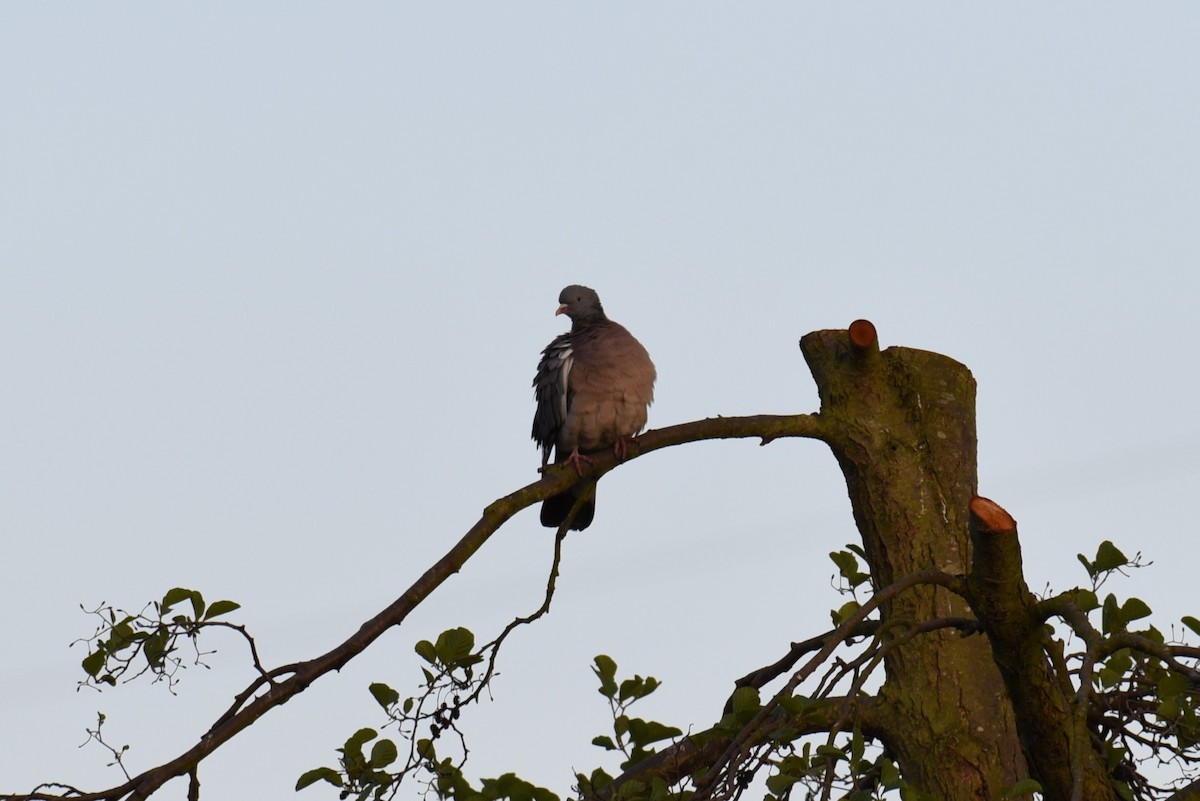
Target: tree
{"x": 949, "y": 679}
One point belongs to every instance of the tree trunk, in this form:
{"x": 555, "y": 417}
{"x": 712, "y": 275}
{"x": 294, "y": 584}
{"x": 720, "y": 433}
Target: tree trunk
{"x": 901, "y": 424}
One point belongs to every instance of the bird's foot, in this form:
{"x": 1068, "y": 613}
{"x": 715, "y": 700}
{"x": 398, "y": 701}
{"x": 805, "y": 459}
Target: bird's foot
{"x": 621, "y": 448}
{"x": 575, "y": 458}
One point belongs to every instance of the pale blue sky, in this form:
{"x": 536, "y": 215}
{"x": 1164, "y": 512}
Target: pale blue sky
{"x": 274, "y": 278}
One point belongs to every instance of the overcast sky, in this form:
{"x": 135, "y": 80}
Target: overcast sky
{"x": 274, "y": 278}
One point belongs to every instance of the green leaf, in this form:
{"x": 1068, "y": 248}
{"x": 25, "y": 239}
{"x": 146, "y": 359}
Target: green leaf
{"x": 845, "y": 561}
{"x": 745, "y": 699}
{"x": 1109, "y": 557}
{"x": 1168, "y": 709}
{"x": 889, "y": 774}
{"x": 856, "y": 746}
{"x": 122, "y": 636}
{"x": 361, "y": 737}
{"x": 1134, "y": 609}
{"x": 637, "y": 687}
{"x": 218, "y": 608}
{"x": 605, "y": 742}
{"x": 384, "y": 695}
{"x": 780, "y": 783}
{"x": 352, "y": 756}
{"x": 455, "y": 644}
{"x": 1087, "y": 565}
{"x": 175, "y": 595}
{"x": 1086, "y": 600}
{"x": 600, "y": 779}
{"x": 1115, "y": 668}
{"x": 93, "y": 662}
{"x": 318, "y": 774}
{"x": 155, "y": 647}
{"x": 606, "y": 670}
{"x": 847, "y": 609}
{"x": 830, "y": 751}
{"x": 426, "y": 651}
{"x": 630, "y": 790}
{"x": 644, "y": 732}
{"x": 1111, "y": 619}
{"x": 383, "y": 753}
{"x": 1172, "y": 684}
{"x": 1192, "y": 623}
{"x": 795, "y": 704}
{"x": 1154, "y": 635}
{"x": 847, "y": 565}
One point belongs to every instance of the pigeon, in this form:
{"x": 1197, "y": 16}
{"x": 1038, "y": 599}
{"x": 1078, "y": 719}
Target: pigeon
{"x": 593, "y": 386}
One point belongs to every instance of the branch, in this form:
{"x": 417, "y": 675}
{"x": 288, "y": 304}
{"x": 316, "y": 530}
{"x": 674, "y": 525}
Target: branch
{"x": 271, "y": 690}
{"x": 714, "y": 748}
{"x": 1056, "y": 742}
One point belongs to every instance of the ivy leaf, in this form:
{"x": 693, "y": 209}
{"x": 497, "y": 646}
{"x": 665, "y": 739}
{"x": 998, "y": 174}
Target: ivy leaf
{"x": 1109, "y": 557}
{"x": 1134, "y": 609}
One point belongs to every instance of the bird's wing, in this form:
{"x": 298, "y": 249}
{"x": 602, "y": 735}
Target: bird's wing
{"x": 551, "y": 387}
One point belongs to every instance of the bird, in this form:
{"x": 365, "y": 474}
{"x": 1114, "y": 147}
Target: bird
{"x": 594, "y": 386}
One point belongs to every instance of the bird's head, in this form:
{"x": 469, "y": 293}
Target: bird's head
{"x": 581, "y": 304}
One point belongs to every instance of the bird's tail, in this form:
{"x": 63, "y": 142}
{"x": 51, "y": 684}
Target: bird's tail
{"x": 556, "y": 508}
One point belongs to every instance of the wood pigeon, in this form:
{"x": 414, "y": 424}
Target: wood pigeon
{"x": 593, "y": 386}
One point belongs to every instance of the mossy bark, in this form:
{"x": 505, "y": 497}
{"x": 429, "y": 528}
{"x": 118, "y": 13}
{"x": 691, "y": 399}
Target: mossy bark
{"x": 901, "y": 424}
{"x": 1058, "y": 744}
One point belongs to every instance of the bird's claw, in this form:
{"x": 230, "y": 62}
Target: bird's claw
{"x": 575, "y": 458}
{"x": 621, "y": 448}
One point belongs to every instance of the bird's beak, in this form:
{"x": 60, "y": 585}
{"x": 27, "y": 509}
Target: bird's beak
{"x": 561, "y": 310}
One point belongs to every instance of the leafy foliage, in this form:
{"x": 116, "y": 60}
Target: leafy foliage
{"x": 149, "y": 641}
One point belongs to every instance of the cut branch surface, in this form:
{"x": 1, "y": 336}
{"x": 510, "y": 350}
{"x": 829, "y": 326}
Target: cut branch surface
{"x": 863, "y": 334}
{"x": 992, "y": 516}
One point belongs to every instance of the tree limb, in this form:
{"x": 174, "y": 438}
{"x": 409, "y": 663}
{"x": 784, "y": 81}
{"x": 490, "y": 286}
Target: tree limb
{"x": 270, "y": 690}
